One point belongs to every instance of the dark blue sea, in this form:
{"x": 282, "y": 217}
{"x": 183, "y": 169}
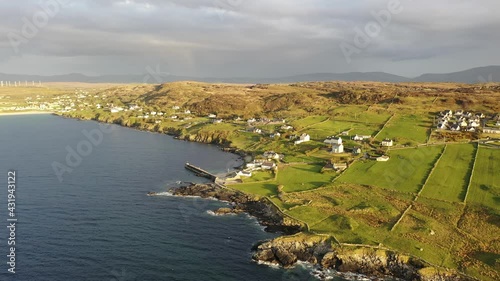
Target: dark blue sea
{"x": 98, "y": 224}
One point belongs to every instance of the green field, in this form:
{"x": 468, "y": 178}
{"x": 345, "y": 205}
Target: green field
{"x": 485, "y": 186}
{"x": 332, "y": 127}
{"x": 406, "y": 170}
{"x": 303, "y": 177}
{"x": 450, "y": 178}
{"x": 407, "y": 129}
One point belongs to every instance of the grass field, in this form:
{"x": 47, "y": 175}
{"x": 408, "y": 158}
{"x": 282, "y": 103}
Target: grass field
{"x": 298, "y": 177}
{"x": 407, "y": 129}
{"x": 450, "y": 178}
{"x": 406, "y": 170}
{"x": 485, "y": 186}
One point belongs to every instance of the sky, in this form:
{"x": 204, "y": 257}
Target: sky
{"x": 247, "y": 38}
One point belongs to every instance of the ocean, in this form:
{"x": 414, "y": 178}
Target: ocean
{"x": 83, "y": 214}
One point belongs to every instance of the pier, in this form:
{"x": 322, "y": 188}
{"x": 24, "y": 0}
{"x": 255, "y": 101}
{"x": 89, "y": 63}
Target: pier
{"x": 200, "y": 172}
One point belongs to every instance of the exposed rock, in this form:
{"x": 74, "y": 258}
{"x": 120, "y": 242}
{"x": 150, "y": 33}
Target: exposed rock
{"x": 266, "y": 213}
{"x": 286, "y": 251}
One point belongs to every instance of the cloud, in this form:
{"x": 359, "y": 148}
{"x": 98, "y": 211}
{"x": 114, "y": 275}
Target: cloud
{"x": 247, "y": 37}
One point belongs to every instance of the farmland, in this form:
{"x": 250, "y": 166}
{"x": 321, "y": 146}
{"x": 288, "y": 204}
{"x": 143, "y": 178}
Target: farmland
{"x": 485, "y": 186}
{"x": 450, "y": 178}
{"x": 406, "y": 171}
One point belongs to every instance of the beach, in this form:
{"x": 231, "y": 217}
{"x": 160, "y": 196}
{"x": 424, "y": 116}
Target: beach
{"x": 25, "y": 113}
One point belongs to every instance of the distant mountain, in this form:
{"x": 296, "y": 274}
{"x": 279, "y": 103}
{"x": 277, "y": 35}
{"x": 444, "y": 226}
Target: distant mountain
{"x": 474, "y": 75}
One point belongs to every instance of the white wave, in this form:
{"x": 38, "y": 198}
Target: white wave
{"x": 166, "y": 193}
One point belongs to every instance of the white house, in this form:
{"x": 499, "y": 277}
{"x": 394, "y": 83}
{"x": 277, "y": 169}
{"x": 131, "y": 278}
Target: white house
{"x": 257, "y": 131}
{"x": 337, "y": 148}
{"x": 271, "y": 155}
{"x": 212, "y": 116}
{"x": 474, "y": 124}
{"x": 116, "y": 109}
{"x": 387, "y": 142}
{"x": 286, "y": 127}
{"x": 356, "y": 150}
{"x": 383, "y": 158}
{"x": 361, "y": 138}
{"x": 339, "y": 166}
{"x": 303, "y": 138}
{"x": 333, "y": 140}
{"x": 268, "y": 165}
{"x": 244, "y": 174}
{"x": 187, "y": 111}
{"x": 275, "y": 135}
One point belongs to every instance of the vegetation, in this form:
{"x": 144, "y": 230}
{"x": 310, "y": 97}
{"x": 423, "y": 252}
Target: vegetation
{"x": 420, "y": 187}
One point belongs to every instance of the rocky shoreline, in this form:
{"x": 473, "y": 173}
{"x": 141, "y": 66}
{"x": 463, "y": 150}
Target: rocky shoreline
{"x": 321, "y": 251}
{"x": 266, "y": 213}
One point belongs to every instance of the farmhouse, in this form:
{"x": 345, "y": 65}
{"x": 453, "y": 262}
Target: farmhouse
{"x": 356, "y": 150}
{"x": 337, "y": 148}
{"x": 339, "y": 166}
{"x": 268, "y": 165}
{"x": 361, "y": 138}
{"x": 383, "y": 158}
{"x": 303, "y": 138}
{"x": 387, "y": 142}
{"x": 333, "y": 140}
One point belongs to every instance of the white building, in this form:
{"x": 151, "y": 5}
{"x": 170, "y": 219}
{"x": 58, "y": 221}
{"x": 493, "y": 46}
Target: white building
{"x": 387, "y": 142}
{"x": 303, "y": 138}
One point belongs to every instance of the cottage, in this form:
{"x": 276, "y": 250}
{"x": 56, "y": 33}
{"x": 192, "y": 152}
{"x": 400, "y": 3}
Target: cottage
{"x": 333, "y": 140}
{"x": 345, "y": 133}
{"x": 244, "y": 174}
{"x": 473, "y": 124}
{"x": 257, "y": 131}
{"x": 383, "y": 158}
{"x": 254, "y": 164}
{"x": 361, "y": 138}
{"x": 356, "y": 151}
{"x": 339, "y": 166}
{"x": 213, "y": 116}
{"x": 286, "y": 127}
{"x": 268, "y": 165}
{"x": 387, "y": 142}
{"x": 271, "y": 155}
{"x": 303, "y": 138}
{"x": 337, "y": 148}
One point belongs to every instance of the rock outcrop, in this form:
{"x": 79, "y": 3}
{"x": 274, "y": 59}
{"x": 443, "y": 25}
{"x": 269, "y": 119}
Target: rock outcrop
{"x": 319, "y": 250}
{"x": 265, "y": 212}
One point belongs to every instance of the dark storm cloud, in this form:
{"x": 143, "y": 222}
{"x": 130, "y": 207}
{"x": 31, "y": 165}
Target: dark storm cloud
{"x": 247, "y": 37}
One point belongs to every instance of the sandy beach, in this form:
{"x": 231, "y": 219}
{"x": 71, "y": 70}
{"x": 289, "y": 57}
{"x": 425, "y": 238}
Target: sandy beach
{"x": 25, "y": 113}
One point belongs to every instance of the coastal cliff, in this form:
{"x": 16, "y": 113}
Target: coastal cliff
{"x": 323, "y": 252}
